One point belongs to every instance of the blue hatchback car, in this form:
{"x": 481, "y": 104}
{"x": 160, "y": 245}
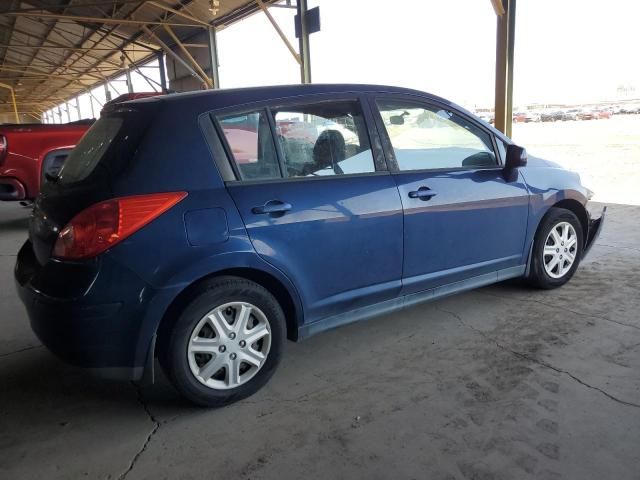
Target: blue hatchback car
{"x": 203, "y": 229}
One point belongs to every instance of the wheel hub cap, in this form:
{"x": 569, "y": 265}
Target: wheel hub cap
{"x": 229, "y": 345}
{"x": 560, "y": 250}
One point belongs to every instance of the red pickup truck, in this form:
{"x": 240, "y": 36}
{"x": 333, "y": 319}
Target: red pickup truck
{"x": 31, "y": 152}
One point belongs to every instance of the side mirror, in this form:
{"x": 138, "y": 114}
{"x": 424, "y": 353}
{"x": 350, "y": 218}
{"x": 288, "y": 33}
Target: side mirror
{"x": 516, "y": 157}
{"x": 398, "y": 119}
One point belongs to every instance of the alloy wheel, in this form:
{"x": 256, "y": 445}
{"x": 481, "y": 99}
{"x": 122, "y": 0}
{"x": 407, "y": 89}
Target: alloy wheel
{"x": 229, "y": 345}
{"x": 560, "y": 250}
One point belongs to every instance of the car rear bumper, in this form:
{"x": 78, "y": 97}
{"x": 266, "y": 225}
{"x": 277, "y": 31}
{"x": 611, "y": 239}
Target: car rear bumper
{"x": 12, "y": 189}
{"x": 97, "y": 329}
{"x": 595, "y": 227}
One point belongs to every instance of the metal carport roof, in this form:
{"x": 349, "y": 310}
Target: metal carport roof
{"x": 51, "y": 50}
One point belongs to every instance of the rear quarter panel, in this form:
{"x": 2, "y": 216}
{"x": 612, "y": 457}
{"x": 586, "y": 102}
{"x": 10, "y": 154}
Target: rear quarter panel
{"x": 163, "y": 256}
{"x": 172, "y": 252}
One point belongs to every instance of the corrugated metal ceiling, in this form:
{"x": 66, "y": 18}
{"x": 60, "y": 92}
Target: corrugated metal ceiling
{"x": 51, "y": 50}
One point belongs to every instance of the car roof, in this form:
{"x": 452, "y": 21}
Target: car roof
{"x": 225, "y": 97}
{"x": 203, "y": 100}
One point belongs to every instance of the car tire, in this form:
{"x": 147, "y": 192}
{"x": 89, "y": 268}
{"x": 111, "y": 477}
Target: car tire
{"x": 557, "y": 249}
{"x": 220, "y": 315}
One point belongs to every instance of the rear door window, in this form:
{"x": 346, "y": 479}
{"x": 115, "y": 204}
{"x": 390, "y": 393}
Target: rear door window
{"x": 327, "y": 138}
{"x": 248, "y": 137}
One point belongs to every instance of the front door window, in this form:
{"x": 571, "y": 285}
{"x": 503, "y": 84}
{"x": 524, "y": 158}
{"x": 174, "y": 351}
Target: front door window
{"x": 430, "y": 138}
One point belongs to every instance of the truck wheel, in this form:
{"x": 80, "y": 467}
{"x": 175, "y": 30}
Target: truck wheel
{"x": 557, "y": 249}
{"x": 226, "y": 343}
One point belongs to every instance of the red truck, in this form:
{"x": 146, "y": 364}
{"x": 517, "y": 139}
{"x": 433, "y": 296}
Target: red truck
{"x": 30, "y": 152}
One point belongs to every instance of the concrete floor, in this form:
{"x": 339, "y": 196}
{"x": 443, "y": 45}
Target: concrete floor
{"x": 499, "y": 383}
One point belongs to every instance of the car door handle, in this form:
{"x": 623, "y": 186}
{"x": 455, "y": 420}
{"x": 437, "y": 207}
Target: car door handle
{"x": 423, "y": 193}
{"x": 272, "y": 207}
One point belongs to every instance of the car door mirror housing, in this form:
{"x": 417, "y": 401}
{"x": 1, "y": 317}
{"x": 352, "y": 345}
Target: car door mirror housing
{"x": 516, "y": 157}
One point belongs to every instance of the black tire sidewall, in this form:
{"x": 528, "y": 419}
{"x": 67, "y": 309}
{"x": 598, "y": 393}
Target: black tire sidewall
{"x": 539, "y": 275}
{"x": 208, "y": 296}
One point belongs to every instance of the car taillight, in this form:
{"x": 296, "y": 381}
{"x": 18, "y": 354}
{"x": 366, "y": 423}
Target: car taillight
{"x": 103, "y": 225}
{"x": 3, "y": 148}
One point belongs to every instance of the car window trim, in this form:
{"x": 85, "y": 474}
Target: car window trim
{"x": 216, "y": 147}
{"x": 447, "y": 170}
{"x": 225, "y": 143}
{"x": 425, "y": 103}
{"x": 312, "y": 178}
{"x": 377, "y": 149}
{"x": 271, "y": 118}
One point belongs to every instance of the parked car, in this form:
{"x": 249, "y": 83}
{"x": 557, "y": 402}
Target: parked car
{"x": 171, "y": 247}
{"x": 571, "y": 114}
{"x": 630, "y": 108}
{"x": 532, "y": 116}
{"x": 586, "y": 114}
{"x": 599, "y": 113}
{"x": 552, "y": 116}
{"x": 30, "y": 153}
{"x": 526, "y": 117}
{"x": 488, "y": 117}
{"x": 519, "y": 117}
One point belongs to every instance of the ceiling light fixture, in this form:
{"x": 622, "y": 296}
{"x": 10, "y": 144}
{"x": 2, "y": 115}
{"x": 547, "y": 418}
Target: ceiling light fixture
{"x": 215, "y": 7}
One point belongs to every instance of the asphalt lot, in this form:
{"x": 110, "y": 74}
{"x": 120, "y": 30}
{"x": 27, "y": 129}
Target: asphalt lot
{"x": 499, "y": 383}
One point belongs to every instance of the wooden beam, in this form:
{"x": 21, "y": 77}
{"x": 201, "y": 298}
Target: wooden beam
{"x": 284, "y": 38}
{"x": 498, "y": 7}
{"x": 13, "y": 100}
{"x": 78, "y": 49}
{"x": 505, "y": 40}
{"x": 105, "y": 21}
{"x": 189, "y": 57}
{"x": 173, "y": 54}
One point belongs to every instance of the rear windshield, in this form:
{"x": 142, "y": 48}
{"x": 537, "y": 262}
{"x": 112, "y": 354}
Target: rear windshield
{"x": 92, "y": 147}
{"x": 108, "y": 146}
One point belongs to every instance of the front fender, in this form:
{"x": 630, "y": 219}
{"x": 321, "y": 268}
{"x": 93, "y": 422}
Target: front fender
{"x": 549, "y": 185}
